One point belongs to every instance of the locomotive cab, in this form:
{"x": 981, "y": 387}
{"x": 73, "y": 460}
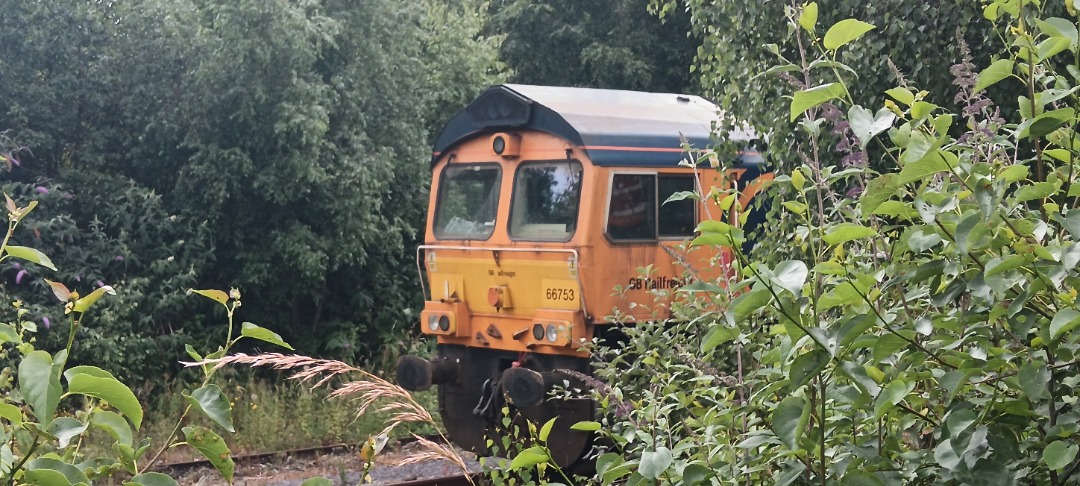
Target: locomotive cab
{"x": 544, "y": 201}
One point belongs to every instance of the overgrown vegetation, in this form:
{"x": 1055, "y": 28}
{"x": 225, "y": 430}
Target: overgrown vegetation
{"x": 920, "y": 326}
{"x": 280, "y": 147}
{"x": 50, "y": 406}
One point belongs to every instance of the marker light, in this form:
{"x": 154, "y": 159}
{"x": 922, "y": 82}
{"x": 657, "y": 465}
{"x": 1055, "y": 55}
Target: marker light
{"x": 433, "y": 322}
{"x": 538, "y": 331}
{"x": 444, "y": 323}
{"x": 552, "y": 333}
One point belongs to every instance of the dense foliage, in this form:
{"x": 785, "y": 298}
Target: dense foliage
{"x": 278, "y": 146}
{"x": 597, "y": 44}
{"x": 50, "y": 406}
{"x": 920, "y": 326}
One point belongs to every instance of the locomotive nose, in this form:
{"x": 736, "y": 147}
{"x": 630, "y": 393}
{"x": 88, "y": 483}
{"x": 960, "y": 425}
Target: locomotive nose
{"x": 418, "y": 374}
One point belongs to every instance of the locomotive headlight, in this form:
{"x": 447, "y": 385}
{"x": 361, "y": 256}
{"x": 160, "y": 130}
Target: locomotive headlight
{"x": 433, "y": 322}
{"x": 444, "y": 323}
{"x": 552, "y": 333}
{"x": 498, "y": 144}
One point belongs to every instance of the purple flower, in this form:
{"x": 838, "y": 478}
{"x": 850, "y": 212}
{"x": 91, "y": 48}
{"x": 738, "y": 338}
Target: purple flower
{"x": 78, "y": 278}
{"x": 99, "y": 283}
{"x": 119, "y": 258}
{"x": 47, "y": 322}
{"x": 19, "y": 276}
{"x": 16, "y": 265}
{"x": 41, "y": 190}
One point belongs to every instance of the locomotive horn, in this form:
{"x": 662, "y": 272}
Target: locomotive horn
{"x": 418, "y": 374}
{"x": 526, "y": 388}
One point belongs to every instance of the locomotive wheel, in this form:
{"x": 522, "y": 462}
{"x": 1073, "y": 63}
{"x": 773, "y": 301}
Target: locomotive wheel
{"x": 471, "y": 405}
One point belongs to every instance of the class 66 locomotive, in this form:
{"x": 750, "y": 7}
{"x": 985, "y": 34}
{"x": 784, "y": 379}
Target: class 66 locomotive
{"x": 546, "y": 203}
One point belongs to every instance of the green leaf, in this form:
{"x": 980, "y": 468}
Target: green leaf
{"x": 654, "y": 463}
{"x": 1064, "y": 321}
{"x": 929, "y": 165}
{"x": 919, "y": 145}
{"x": 152, "y": 479}
{"x": 216, "y": 295}
{"x": 1001, "y": 265}
{"x": 695, "y": 474}
{"x": 586, "y": 426}
{"x": 39, "y": 382}
{"x": 1059, "y": 27}
{"x": 745, "y": 304}
{"x": 795, "y": 207}
{"x": 806, "y": 366}
{"x": 845, "y": 31}
{"x": 845, "y": 232}
{"x": 718, "y": 334}
{"x": 71, "y": 473}
{"x": 8, "y": 334}
{"x": 861, "y": 378}
{"x": 609, "y": 463}
{"x": 253, "y": 331}
{"x": 789, "y": 420}
{"x": 808, "y": 17}
{"x": 31, "y": 255}
{"x": 114, "y": 424}
{"x": 890, "y": 396}
{"x": 886, "y": 345}
{"x": 530, "y": 457}
{"x": 1033, "y": 377}
{"x": 100, "y": 384}
{"x": 798, "y": 180}
{"x": 790, "y": 275}
{"x": 11, "y": 413}
{"x": 84, "y": 303}
{"x": 682, "y": 195}
{"x": 861, "y": 478}
{"x": 545, "y": 431}
{"x": 997, "y": 71}
{"x": 47, "y": 477}
{"x": 810, "y": 98}
{"x": 65, "y": 429}
{"x": 877, "y": 191}
{"x": 213, "y": 403}
{"x": 867, "y": 125}
{"x": 1059, "y": 454}
{"x": 1045, "y": 123}
{"x": 213, "y": 448}
{"x": 902, "y": 95}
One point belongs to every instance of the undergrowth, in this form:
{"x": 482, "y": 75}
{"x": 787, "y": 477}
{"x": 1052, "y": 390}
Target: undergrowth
{"x": 270, "y": 414}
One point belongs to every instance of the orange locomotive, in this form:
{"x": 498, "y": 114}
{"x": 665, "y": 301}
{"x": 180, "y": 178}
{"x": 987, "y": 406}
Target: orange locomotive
{"x": 543, "y": 201}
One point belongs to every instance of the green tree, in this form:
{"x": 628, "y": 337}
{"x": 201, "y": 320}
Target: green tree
{"x": 923, "y": 329}
{"x": 296, "y": 133}
{"x": 600, "y": 44}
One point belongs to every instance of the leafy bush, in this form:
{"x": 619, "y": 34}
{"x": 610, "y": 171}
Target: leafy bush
{"x": 926, "y": 329}
{"x": 127, "y": 240}
{"x": 43, "y": 422}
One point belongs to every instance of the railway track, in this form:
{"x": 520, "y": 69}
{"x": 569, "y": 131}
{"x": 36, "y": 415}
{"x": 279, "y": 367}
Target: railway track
{"x": 281, "y": 467}
{"x": 457, "y": 480}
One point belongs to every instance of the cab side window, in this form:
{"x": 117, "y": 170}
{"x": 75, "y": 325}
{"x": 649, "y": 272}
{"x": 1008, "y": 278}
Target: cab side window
{"x": 632, "y": 208}
{"x": 637, "y": 209}
{"x": 677, "y": 218}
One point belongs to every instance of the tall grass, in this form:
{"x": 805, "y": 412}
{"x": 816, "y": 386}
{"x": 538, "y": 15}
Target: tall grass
{"x": 370, "y": 395}
{"x": 270, "y": 413}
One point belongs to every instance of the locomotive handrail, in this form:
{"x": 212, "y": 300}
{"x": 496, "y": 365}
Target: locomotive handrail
{"x": 571, "y": 251}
